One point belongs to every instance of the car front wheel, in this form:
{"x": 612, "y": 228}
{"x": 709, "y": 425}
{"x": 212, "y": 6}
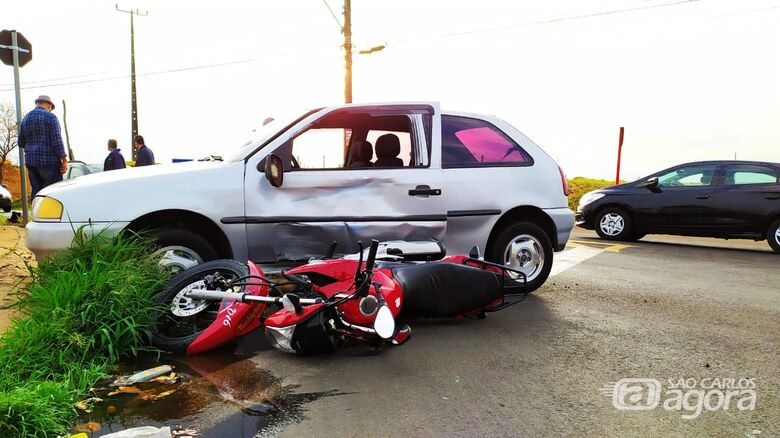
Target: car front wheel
{"x": 525, "y": 247}
{"x": 182, "y": 249}
{"x": 613, "y": 224}
{"x": 773, "y": 236}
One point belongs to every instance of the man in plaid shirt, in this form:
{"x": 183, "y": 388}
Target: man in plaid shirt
{"x": 40, "y": 136}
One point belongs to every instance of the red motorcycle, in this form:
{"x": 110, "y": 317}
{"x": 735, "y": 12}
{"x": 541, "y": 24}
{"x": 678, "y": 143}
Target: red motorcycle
{"x": 330, "y": 303}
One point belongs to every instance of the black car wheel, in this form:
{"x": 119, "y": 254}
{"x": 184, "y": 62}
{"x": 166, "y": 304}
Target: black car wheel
{"x": 773, "y": 236}
{"x": 613, "y": 224}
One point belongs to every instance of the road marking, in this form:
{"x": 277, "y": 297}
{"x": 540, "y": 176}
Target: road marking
{"x": 608, "y": 246}
{"x": 572, "y": 257}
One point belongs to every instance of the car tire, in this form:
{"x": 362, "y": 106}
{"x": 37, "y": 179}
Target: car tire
{"x": 181, "y": 249}
{"x": 526, "y": 247}
{"x": 7, "y": 209}
{"x": 176, "y": 333}
{"x": 613, "y": 224}
{"x": 773, "y": 236}
{"x": 637, "y": 236}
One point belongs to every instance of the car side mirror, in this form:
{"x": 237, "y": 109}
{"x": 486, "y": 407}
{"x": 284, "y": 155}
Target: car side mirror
{"x": 274, "y": 170}
{"x": 652, "y": 185}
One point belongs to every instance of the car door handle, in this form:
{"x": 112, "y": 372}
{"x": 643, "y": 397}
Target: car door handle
{"x": 424, "y": 190}
{"x": 702, "y": 196}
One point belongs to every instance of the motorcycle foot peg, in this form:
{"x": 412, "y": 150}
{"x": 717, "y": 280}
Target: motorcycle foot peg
{"x": 402, "y": 335}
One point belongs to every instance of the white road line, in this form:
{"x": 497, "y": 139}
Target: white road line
{"x": 572, "y": 257}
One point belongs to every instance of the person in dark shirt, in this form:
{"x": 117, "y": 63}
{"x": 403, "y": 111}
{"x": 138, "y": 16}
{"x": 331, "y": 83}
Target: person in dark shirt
{"x": 145, "y": 156}
{"x": 114, "y": 160}
{"x": 39, "y": 135}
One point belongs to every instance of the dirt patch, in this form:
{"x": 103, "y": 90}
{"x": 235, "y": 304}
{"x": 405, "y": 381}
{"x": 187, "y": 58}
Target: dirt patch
{"x": 12, "y": 180}
{"x": 14, "y": 257}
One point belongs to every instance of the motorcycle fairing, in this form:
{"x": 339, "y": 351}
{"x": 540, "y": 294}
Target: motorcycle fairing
{"x": 234, "y": 319}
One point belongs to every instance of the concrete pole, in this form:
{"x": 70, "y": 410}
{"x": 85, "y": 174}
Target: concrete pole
{"x": 22, "y": 169}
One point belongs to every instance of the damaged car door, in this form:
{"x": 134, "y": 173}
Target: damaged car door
{"x": 354, "y": 173}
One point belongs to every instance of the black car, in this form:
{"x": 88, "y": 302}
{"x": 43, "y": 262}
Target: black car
{"x": 728, "y": 199}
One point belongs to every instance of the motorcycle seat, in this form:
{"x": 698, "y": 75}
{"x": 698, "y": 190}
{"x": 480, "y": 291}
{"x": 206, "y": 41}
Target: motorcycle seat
{"x": 445, "y": 289}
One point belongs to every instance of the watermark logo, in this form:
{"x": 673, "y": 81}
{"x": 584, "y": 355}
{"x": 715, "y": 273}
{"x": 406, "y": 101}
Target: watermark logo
{"x": 688, "y": 396}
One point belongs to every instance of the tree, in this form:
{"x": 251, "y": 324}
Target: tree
{"x": 8, "y": 133}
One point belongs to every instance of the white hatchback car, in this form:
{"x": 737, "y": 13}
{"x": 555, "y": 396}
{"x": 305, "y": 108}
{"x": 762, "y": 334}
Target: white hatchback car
{"x": 402, "y": 171}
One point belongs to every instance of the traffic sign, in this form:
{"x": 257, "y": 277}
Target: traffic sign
{"x": 7, "y": 52}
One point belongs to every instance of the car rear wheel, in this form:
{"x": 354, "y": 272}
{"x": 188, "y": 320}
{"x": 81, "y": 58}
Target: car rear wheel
{"x": 525, "y": 247}
{"x": 613, "y": 224}
{"x": 182, "y": 249}
{"x": 773, "y": 236}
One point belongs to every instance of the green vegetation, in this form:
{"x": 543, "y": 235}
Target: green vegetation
{"x": 578, "y": 186}
{"x": 85, "y": 309}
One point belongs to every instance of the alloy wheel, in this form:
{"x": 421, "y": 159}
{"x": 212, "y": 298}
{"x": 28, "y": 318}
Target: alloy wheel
{"x": 525, "y": 254}
{"x": 612, "y": 224}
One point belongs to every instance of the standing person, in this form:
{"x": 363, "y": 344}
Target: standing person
{"x": 40, "y": 136}
{"x": 114, "y": 160}
{"x": 145, "y": 156}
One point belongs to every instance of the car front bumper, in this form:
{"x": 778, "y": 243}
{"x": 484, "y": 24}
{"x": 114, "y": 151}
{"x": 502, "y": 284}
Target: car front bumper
{"x": 47, "y": 238}
{"x": 584, "y": 217}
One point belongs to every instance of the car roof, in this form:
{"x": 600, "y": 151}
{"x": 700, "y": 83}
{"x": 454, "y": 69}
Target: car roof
{"x": 729, "y": 162}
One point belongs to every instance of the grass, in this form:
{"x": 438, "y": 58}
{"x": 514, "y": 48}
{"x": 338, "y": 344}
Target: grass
{"x": 84, "y": 311}
{"x": 578, "y": 186}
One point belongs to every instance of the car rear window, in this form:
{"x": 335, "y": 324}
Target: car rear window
{"x": 741, "y": 174}
{"x": 468, "y": 142}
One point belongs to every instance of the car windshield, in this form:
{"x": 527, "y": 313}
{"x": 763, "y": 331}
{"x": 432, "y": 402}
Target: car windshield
{"x": 265, "y": 132}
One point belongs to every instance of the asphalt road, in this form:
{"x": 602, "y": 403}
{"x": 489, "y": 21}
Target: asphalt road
{"x": 664, "y": 308}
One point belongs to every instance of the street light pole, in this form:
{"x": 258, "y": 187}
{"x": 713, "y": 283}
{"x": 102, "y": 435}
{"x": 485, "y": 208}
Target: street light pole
{"x": 348, "y": 51}
{"x": 133, "y": 100}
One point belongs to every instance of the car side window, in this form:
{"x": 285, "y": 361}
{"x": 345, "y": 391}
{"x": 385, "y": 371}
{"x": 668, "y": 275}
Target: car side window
{"x": 355, "y": 140}
{"x": 743, "y": 174}
{"x": 75, "y": 171}
{"x": 699, "y": 175}
{"x": 469, "y": 142}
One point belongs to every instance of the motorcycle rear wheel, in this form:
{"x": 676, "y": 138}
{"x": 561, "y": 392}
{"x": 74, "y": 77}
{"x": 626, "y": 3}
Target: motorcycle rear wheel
{"x": 175, "y": 333}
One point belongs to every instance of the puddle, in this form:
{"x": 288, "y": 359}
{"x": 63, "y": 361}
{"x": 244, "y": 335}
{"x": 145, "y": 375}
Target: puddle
{"x": 221, "y": 394}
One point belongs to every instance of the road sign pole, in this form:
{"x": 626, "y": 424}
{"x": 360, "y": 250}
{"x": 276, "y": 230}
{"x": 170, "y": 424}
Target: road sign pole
{"x": 620, "y": 150}
{"x": 22, "y": 172}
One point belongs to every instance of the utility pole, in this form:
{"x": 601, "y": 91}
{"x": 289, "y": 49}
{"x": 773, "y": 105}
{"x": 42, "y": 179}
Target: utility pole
{"x": 133, "y": 101}
{"x": 348, "y": 51}
{"x": 65, "y": 123}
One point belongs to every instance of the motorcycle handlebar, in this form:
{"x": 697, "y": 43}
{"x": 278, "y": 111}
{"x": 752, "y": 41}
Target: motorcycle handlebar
{"x": 372, "y": 255}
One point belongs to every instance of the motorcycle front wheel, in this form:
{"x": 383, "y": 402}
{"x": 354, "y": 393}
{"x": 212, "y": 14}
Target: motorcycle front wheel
{"x": 179, "y": 320}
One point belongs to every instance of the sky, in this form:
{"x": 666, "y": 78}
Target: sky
{"x": 689, "y": 80}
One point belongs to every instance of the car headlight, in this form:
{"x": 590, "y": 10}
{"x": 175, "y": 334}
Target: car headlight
{"x": 589, "y": 197}
{"x": 47, "y": 209}
{"x": 281, "y": 338}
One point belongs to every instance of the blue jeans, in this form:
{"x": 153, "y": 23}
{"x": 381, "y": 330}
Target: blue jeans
{"x": 43, "y": 176}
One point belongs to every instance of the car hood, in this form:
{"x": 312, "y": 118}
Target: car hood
{"x": 129, "y": 175}
{"x": 212, "y": 189}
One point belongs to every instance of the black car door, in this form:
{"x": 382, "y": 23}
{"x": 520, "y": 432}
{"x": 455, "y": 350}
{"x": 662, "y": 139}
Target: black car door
{"x": 749, "y": 194}
{"x": 682, "y": 203}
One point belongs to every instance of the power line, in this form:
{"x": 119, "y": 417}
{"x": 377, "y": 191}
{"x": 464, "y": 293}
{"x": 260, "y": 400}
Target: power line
{"x": 570, "y": 18}
{"x": 341, "y": 26}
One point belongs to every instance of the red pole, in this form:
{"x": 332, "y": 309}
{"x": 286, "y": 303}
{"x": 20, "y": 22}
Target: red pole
{"x": 620, "y": 149}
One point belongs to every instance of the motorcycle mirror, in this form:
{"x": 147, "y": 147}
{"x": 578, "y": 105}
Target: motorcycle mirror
{"x": 474, "y": 253}
{"x": 292, "y": 303}
{"x": 384, "y": 324}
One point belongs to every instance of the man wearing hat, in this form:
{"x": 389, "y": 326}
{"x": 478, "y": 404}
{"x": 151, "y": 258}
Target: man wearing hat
{"x": 39, "y": 135}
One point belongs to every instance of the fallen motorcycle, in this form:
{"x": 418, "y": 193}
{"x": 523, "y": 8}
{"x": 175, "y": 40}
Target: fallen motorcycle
{"x": 330, "y": 303}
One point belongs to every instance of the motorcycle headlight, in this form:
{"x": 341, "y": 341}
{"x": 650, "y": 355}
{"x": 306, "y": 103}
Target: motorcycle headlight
{"x": 46, "y": 209}
{"x": 589, "y": 197}
{"x": 281, "y": 338}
